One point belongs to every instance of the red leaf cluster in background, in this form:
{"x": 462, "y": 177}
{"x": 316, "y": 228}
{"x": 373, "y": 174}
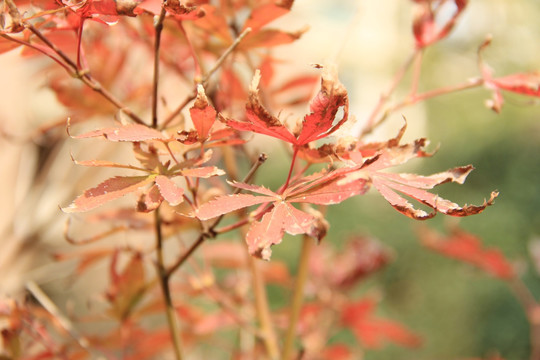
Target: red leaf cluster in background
{"x": 466, "y": 247}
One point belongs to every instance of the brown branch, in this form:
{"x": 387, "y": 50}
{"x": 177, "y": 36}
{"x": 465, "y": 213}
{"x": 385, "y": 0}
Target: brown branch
{"x": 157, "y": 43}
{"x": 165, "y": 288}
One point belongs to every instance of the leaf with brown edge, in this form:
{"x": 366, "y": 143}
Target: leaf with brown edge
{"x": 373, "y": 332}
{"x": 169, "y": 190}
{"x": 391, "y": 186}
{"x": 108, "y": 190}
{"x": 202, "y": 114}
{"x": 466, "y": 247}
{"x": 332, "y": 97}
{"x": 149, "y": 200}
{"x": 130, "y": 132}
{"x": 320, "y": 123}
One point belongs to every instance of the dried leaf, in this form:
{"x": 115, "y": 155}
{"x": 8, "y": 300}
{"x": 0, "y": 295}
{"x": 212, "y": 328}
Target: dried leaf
{"x": 324, "y": 119}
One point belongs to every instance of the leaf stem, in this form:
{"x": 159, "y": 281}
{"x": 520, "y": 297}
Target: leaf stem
{"x": 291, "y": 168}
{"x": 164, "y": 277}
{"x": 204, "y": 80}
{"x": 263, "y": 309}
{"x": 298, "y": 297}
{"x": 371, "y": 122}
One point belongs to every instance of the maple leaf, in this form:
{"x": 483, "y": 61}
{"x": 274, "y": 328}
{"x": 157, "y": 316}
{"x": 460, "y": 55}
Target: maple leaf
{"x": 390, "y": 185}
{"x": 203, "y": 116}
{"x": 468, "y": 248}
{"x": 321, "y": 189}
{"x": 319, "y": 123}
{"x": 425, "y": 28}
{"x": 527, "y": 84}
{"x": 372, "y": 332}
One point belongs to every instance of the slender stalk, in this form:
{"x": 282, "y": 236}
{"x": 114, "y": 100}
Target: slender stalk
{"x": 204, "y": 80}
{"x": 298, "y": 297}
{"x": 532, "y": 310}
{"x": 165, "y": 288}
{"x": 85, "y": 77}
{"x": 371, "y": 122}
{"x": 51, "y": 307}
{"x": 437, "y": 92}
{"x": 417, "y": 68}
{"x": 157, "y": 43}
{"x": 263, "y": 309}
{"x": 291, "y": 168}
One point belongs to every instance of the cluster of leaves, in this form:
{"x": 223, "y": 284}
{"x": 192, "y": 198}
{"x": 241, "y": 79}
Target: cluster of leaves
{"x": 187, "y": 157}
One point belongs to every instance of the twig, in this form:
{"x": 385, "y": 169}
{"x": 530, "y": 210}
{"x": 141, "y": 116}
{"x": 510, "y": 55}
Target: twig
{"x": 165, "y": 288}
{"x": 204, "y": 80}
{"x": 371, "y": 123}
{"x": 51, "y": 307}
{"x": 210, "y": 232}
{"x": 298, "y": 297}
{"x": 159, "y": 28}
{"x": 85, "y": 76}
{"x": 263, "y": 309}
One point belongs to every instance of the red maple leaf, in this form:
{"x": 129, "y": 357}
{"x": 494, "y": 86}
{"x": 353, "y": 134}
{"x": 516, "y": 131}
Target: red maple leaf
{"x": 468, "y": 248}
{"x": 391, "y": 185}
{"x": 319, "y": 123}
{"x": 321, "y": 189}
{"x": 425, "y": 28}
{"x": 372, "y": 332}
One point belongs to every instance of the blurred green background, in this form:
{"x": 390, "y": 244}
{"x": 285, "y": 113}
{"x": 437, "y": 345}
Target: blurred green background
{"x": 460, "y": 311}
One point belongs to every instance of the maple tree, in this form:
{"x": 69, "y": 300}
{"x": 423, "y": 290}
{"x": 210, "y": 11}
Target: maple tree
{"x": 192, "y": 182}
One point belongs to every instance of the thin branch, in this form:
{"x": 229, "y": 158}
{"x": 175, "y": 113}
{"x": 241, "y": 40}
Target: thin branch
{"x": 371, "y": 123}
{"x": 51, "y": 307}
{"x": 211, "y": 232}
{"x": 298, "y": 297}
{"x": 411, "y": 100}
{"x": 85, "y": 77}
{"x": 204, "y": 80}
{"x": 437, "y": 92}
{"x": 159, "y": 28}
{"x": 165, "y": 288}
{"x": 263, "y": 309}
